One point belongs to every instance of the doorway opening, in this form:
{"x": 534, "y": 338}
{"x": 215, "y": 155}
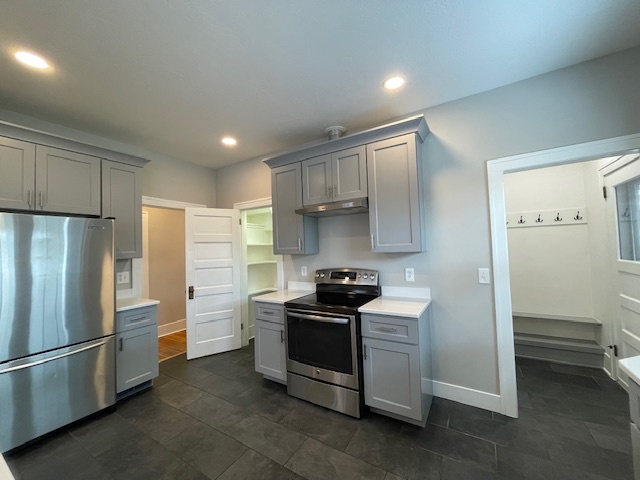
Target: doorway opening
{"x": 496, "y": 170}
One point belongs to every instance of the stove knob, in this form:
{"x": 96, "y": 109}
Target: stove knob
{"x": 359, "y": 275}
{"x": 366, "y": 276}
{"x": 322, "y": 275}
{"x": 317, "y": 275}
{"x": 373, "y": 275}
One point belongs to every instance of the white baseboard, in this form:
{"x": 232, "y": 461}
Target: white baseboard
{"x": 468, "y": 396}
{"x": 172, "y": 327}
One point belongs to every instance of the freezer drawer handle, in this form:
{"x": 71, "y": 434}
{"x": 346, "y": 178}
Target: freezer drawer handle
{"x": 318, "y": 318}
{"x": 120, "y": 341}
{"x": 57, "y": 357}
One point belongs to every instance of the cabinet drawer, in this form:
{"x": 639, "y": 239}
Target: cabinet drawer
{"x": 634, "y": 402}
{"x": 395, "y": 329}
{"x": 269, "y": 312}
{"x": 136, "y": 318}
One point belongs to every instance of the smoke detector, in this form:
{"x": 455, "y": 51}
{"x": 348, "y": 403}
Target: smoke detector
{"x": 336, "y": 131}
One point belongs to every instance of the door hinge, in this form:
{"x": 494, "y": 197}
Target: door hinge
{"x": 191, "y": 293}
{"x": 239, "y": 221}
{"x": 242, "y": 326}
{"x": 615, "y": 349}
{"x": 604, "y": 192}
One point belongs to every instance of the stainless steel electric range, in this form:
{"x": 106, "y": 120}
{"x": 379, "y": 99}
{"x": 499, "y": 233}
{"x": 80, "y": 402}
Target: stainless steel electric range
{"x": 324, "y": 359}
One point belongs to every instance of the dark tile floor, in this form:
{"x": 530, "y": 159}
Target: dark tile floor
{"x": 216, "y": 418}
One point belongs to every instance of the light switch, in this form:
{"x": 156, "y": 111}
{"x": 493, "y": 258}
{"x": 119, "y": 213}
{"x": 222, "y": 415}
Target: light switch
{"x": 303, "y": 271}
{"x": 483, "y": 276}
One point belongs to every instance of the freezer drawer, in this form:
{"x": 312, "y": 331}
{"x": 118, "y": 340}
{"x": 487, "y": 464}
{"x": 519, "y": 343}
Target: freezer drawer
{"x": 44, "y": 392}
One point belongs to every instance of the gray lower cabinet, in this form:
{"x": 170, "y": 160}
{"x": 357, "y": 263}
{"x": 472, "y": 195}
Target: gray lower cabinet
{"x": 334, "y": 177}
{"x": 292, "y": 233}
{"x": 634, "y": 411}
{"x": 47, "y": 179}
{"x": 136, "y": 349}
{"x": 395, "y": 360}
{"x": 270, "y": 351}
{"x": 394, "y": 177}
{"x": 122, "y": 200}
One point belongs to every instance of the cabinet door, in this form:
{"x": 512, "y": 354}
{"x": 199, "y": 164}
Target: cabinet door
{"x": 122, "y": 199}
{"x": 394, "y": 197}
{"x": 67, "y": 182}
{"x": 349, "y": 172}
{"x": 17, "y": 174}
{"x": 137, "y": 357}
{"x": 392, "y": 377}
{"x": 270, "y": 351}
{"x": 316, "y": 180}
{"x": 292, "y": 233}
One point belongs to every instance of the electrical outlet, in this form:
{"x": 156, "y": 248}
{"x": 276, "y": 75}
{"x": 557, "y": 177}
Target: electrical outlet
{"x": 122, "y": 278}
{"x": 303, "y": 271}
{"x": 409, "y": 275}
{"x": 483, "y": 276}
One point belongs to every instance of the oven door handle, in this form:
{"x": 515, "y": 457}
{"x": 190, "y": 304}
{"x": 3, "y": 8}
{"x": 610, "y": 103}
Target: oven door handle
{"x": 318, "y": 318}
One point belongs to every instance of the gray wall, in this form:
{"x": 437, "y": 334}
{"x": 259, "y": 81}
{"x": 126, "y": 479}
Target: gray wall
{"x": 590, "y": 101}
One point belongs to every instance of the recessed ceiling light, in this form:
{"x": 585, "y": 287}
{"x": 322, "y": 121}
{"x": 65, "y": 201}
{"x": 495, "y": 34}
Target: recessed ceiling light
{"x": 393, "y": 83}
{"x": 32, "y": 60}
{"x": 229, "y": 141}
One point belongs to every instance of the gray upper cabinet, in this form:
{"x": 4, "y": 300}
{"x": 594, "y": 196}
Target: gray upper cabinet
{"x": 292, "y": 233}
{"x": 35, "y": 177}
{"x": 17, "y": 174}
{"x": 122, "y": 200}
{"x": 394, "y": 178}
{"x": 335, "y": 177}
{"x": 67, "y": 182}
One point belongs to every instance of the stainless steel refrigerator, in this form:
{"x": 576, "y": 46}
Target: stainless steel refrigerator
{"x": 57, "y": 325}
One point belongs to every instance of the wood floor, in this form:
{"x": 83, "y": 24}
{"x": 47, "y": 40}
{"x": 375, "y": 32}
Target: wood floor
{"x": 172, "y": 345}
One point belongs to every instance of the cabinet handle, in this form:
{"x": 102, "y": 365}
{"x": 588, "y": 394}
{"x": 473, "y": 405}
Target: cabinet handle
{"x": 40, "y": 199}
{"x": 372, "y": 244}
{"x": 281, "y": 336}
{"x": 120, "y": 342}
{"x": 299, "y": 244}
{"x": 387, "y": 329}
{"x": 335, "y": 191}
{"x": 329, "y": 192}
{"x": 365, "y": 351}
{"x": 29, "y": 198}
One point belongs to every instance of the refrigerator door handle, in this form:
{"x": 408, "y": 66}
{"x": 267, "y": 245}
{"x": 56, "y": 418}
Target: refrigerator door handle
{"x": 50, "y": 359}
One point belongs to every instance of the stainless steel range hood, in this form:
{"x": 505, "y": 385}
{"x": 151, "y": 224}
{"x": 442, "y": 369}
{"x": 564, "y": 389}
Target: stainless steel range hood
{"x": 332, "y": 209}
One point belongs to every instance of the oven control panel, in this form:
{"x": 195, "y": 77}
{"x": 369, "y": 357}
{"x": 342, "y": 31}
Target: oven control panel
{"x": 347, "y": 276}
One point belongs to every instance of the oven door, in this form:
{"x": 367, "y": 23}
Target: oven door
{"x": 322, "y": 346}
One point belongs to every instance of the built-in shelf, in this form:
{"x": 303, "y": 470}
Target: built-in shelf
{"x": 253, "y": 244}
{"x": 262, "y": 262}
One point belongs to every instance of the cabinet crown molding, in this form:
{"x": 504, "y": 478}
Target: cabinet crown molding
{"x": 415, "y": 124}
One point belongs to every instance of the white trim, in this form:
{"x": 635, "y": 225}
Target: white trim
{"x": 468, "y": 396}
{"x": 508, "y": 398}
{"x": 251, "y": 204}
{"x": 407, "y": 292}
{"x": 426, "y": 385}
{"x": 164, "y": 203}
{"x": 173, "y": 327}
{"x": 631, "y": 338}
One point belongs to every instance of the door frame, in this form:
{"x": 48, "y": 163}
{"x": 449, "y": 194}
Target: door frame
{"x": 140, "y": 266}
{"x": 244, "y": 292}
{"x": 496, "y": 169}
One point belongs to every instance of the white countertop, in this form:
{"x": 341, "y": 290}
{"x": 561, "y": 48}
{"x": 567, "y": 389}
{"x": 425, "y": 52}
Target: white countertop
{"x": 281, "y": 296}
{"x": 5, "y": 473}
{"x": 123, "y": 304}
{"x": 631, "y": 366}
{"x": 397, "y": 306}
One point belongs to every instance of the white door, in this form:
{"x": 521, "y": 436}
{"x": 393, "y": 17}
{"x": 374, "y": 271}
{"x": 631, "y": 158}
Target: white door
{"x": 212, "y": 241}
{"x": 622, "y": 183}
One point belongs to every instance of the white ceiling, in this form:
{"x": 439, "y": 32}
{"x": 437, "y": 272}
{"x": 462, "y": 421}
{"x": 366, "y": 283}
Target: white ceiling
{"x": 174, "y": 76}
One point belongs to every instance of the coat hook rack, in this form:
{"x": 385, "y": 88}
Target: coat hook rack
{"x": 539, "y": 220}
{"x": 558, "y": 218}
{"x": 521, "y": 221}
{"x": 578, "y": 217}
